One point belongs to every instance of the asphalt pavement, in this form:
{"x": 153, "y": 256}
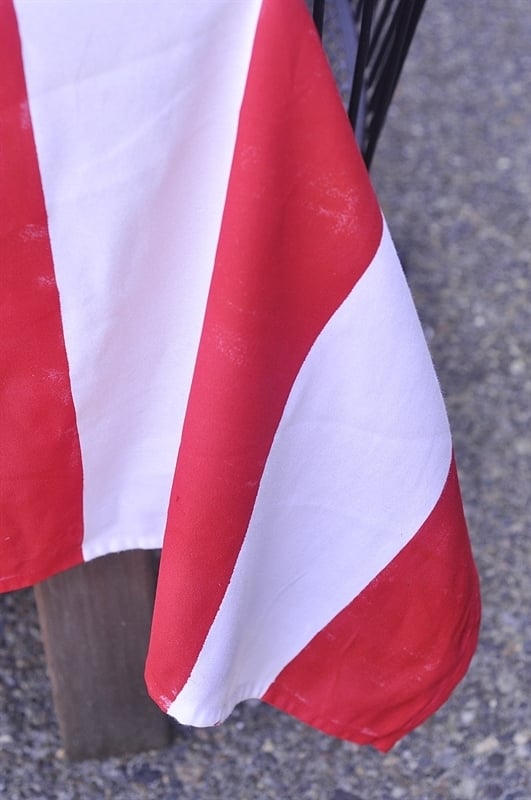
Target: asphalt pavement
{"x": 453, "y": 175}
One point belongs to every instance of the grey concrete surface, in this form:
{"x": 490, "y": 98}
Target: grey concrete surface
{"x": 453, "y": 174}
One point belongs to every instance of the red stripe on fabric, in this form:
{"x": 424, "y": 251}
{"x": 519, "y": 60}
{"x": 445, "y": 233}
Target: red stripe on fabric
{"x": 300, "y": 226}
{"x": 40, "y": 461}
{"x": 394, "y": 655}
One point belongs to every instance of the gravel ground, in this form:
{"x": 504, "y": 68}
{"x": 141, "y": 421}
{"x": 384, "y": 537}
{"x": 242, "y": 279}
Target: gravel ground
{"x": 453, "y": 175}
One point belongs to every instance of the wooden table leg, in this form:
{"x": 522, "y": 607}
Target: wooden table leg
{"x": 95, "y": 621}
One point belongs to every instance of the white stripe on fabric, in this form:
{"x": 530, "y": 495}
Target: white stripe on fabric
{"x": 359, "y": 460}
{"x": 135, "y": 110}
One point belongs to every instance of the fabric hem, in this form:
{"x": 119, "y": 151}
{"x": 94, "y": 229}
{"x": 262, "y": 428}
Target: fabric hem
{"x": 287, "y": 702}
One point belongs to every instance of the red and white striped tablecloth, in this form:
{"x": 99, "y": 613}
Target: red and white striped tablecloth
{"x": 208, "y": 346}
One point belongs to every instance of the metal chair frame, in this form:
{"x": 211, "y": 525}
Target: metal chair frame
{"x": 384, "y": 31}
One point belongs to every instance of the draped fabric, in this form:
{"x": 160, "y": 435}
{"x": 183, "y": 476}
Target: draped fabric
{"x": 209, "y": 347}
